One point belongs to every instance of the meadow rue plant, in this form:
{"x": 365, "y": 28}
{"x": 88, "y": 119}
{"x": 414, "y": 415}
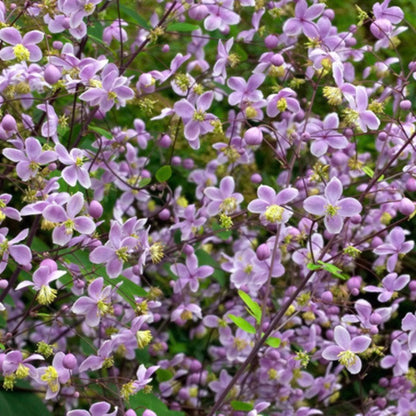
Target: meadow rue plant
{"x": 207, "y": 208}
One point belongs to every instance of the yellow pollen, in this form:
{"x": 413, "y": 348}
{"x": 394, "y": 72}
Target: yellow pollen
{"x": 143, "y": 338}
{"x": 51, "y": 377}
{"x": 22, "y": 371}
{"x": 112, "y": 95}
{"x": 240, "y": 344}
{"x": 333, "y": 95}
{"x": 46, "y": 295}
{"x": 21, "y": 52}
{"x": 89, "y": 8}
{"x": 274, "y": 213}
{"x": 122, "y": 253}
{"x": 331, "y": 210}
{"x": 229, "y": 205}
{"x": 199, "y": 116}
{"x": 281, "y": 105}
{"x": 347, "y": 358}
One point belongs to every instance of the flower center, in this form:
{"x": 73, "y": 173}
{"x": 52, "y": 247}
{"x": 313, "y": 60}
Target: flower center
{"x": 347, "y": 358}
{"x": 199, "y": 115}
{"x": 46, "y": 295}
{"x": 4, "y": 246}
{"x": 89, "y": 8}
{"x": 281, "y": 105}
{"x": 79, "y": 161}
{"x": 143, "y": 338}
{"x": 51, "y": 377}
{"x": 240, "y": 344}
{"x": 21, "y": 52}
{"x": 112, "y": 95}
{"x": 229, "y": 205}
{"x": 331, "y": 210}
{"x": 122, "y": 254}
{"x": 350, "y": 116}
{"x": 274, "y": 213}
{"x": 333, "y": 95}
{"x": 95, "y": 83}
{"x": 22, "y": 371}
{"x": 103, "y": 307}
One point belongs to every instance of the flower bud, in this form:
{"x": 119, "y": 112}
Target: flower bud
{"x": 406, "y": 206}
{"x": 405, "y": 105}
{"x": 271, "y": 41}
{"x": 165, "y": 48}
{"x": 9, "y": 123}
{"x": 188, "y": 250}
{"x": 375, "y": 318}
{"x": 188, "y": 163}
{"x": 256, "y": 178}
{"x": 354, "y": 282}
{"x": 95, "y": 209}
{"x": 52, "y": 74}
{"x": 411, "y": 185}
{"x": 412, "y": 285}
{"x": 3, "y": 283}
{"x": 164, "y": 215}
{"x": 131, "y": 412}
{"x": 253, "y": 136}
{"x": 176, "y": 161}
{"x": 263, "y": 252}
{"x": 57, "y": 44}
{"x": 277, "y": 59}
{"x": 69, "y": 361}
{"x": 327, "y": 297}
{"x": 198, "y": 12}
{"x": 165, "y": 141}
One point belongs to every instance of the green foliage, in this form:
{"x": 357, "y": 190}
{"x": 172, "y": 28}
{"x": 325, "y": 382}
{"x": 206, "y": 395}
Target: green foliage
{"x": 164, "y": 173}
{"x": 242, "y": 323}
{"x": 17, "y": 403}
{"x": 253, "y": 308}
{"x": 142, "y": 401}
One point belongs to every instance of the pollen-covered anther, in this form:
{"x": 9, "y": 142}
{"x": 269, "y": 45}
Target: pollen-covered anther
{"x": 46, "y": 295}
{"x": 347, "y": 358}
{"x": 21, "y": 52}
{"x": 274, "y": 213}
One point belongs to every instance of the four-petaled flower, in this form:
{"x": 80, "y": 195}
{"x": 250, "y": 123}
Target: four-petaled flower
{"x": 332, "y": 207}
{"x": 390, "y": 285}
{"x": 270, "y": 205}
{"x": 223, "y": 200}
{"x": 22, "y": 49}
{"x": 195, "y": 117}
{"x": 346, "y": 349}
{"x": 97, "y": 409}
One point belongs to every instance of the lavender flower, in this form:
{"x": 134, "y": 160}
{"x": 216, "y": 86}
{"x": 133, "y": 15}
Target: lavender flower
{"x": 399, "y": 359}
{"x": 29, "y": 159}
{"x": 20, "y": 253}
{"x": 390, "y": 284}
{"x": 346, "y": 349}
{"x": 197, "y": 121}
{"x": 269, "y": 204}
{"x": 223, "y": 200}
{"x": 97, "y": 409}
{"x": 245, "y": 91}
{"x": 332, "y": 207}
{"x": 23, "y": 49}
{"x": 96, "y": 304}
{"x": 68, "y": 220}
{"x": 77, "y": 168}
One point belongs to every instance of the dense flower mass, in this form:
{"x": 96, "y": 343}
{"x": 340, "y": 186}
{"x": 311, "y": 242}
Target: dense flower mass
{"x": 207, "y": 208}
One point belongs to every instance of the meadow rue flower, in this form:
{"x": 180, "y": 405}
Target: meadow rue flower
{"x": 68, "y": 221}
{"x": 42, "y": 277}
{"x": 245, "y": 91}
{"x": 195, "y": 117}
{"x": 270, "y": 205}
{"x": 29, "y": 159}
{"x": 23, "y": 48}
{"x": 20, "y": 253}
{"x": 390, "y": 285}
{"x": 346, "y": 349}
{"x": 223, "y": 199}
{"x": 332, "y": 207}
{"x": 97, "y": 409}
{"x": 398, "y": 359}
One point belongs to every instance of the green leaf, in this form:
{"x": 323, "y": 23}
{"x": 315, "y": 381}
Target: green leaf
{"x": 241, "y": 406}
{"x": 242, "y": 323}
{"x": 273, "y": 342}
{"x": 313, "y": 266}
{"x": 334, "y": 270}
{"x": 133, "y": 15}
{"x": 182, "y": 27}
{"x": 145, "y": 181}
{"x": 101, "y": 131}
{"x": 164, "y": 173}
{"x": 141, "y": 401}
{"x": 163, "y": 375}
{"x": 2, "y": 347}
{"x": 253, "y": 307}
{"x": 17, "y": 403}
{"x": 368, "y": 171}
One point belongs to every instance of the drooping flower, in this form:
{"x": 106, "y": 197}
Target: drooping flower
{"x": 346, "y": 349}
{"x": 332, "y": 207}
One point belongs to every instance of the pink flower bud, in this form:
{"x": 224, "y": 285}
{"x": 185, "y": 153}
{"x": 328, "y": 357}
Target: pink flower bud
{"x": 3, "y": 283}
{"x": 411, "y": 185}
{"x": 327, "y": 297}
{"x": 165, "y": 48}
{"x": 69, "y": 361}
{"x": 271, "y": 41}
{"x": 375, "y": 318}
{"x": 412, "y": 285}
{"x": 188, "y": 250}
{"x": 198, "y": 12}
{"x": 52, "y": 74}
{"x": 131, "y": 412}
{"x": 256, "y": 178}
{"x": 95, "y": 209}
{"x": 165, "y": 141}
{"x": 164, "y": 215}
{"x": 9, "y": 123}
{"x": 52, "y": 166}
{"x": 354, "y": 282}
{"x": 405, "y": 105}
{"x": 57, "y": 44}
{"x": 381, "y": 28}
{"x": 406, "y": 206}
{"x": 176, "y": 161}
{"x": 277, "y": 59}
{"x": 188, "y": 163}
{"x": 145, "y": 173}
{"x": 263, "y": 252}
{"x": 253, "y": 136}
